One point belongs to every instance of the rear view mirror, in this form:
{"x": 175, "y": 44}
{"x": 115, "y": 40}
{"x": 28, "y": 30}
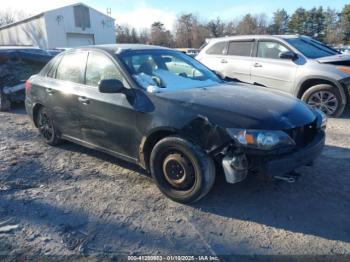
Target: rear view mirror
{"x": 288, "y": 55}
{"x": 110, "y": 86}
{"x": 167, "y": 59}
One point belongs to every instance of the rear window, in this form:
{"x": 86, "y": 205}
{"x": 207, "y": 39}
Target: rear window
{"x": 240, "y": 48}
{"x": 217, "y": 49}
{"x": 72, "y": 67}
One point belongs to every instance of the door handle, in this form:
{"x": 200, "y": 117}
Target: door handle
{"x": 223, "y": 61}
{"x": 257, "y": 65}
{"x": 49, "y": 91}
{"x": 84, "y": 100}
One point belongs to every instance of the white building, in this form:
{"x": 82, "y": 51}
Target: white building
{"x": 69, "y": 26}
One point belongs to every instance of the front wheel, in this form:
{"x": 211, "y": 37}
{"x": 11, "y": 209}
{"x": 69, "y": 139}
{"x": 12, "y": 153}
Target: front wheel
{"x": 325, "y": 97}
{"x": 181, "y": 169}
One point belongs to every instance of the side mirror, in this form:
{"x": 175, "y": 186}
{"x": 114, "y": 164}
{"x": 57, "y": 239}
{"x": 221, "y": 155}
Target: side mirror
{"x": 110, "y": 86}
{"x": 288, "y": 55}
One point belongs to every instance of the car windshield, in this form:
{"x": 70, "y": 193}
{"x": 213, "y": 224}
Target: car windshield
{"x": 167, "y": 70}
{"x": 311, "y": 48}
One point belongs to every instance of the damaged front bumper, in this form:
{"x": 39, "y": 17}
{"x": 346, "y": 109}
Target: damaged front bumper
{"x": 237, "y": 166}
{"x": 301, "y": 157}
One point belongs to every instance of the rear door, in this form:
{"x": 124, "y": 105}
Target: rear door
{"x": 107, "y": 120}
{"x": 269, "y": 70}
{"x": 62, "y": 87}
{"x": 237, "y": 64}
{"x": 215, "y": 56}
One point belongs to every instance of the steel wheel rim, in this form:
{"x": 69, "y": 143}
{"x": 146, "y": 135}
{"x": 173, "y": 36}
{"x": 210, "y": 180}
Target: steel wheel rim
{"x": 45, "y": 126}
{"x": 326, "y": 101}
{"x": 178, "y": 171}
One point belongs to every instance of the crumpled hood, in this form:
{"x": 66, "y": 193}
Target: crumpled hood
{"x": 244, "y": 106}
{"x": 335, "y": 59}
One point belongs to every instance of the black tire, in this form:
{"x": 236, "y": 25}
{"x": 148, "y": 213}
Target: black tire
{"x": 46, "y": 127}
{"x": 195, "y": 168}
{"x": 315, "y": 94}
{"x": 5, "y": 103}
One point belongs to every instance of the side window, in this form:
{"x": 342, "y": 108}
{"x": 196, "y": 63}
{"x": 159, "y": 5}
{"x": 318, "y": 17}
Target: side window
{"x": 180, "y": 67}
{"x": 100, "y": 67}
{"x": 240, "y": 48}
{"x": 217, "y": 49}
{"x": 72, "y": 67}
{"x": 52, "y": 67}
{"x": 271, "y": 49}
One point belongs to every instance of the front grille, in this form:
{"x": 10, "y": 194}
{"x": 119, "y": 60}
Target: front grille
{"x": 303, "y": 135}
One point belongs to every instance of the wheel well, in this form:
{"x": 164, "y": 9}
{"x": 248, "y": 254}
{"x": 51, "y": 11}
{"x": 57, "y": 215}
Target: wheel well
{"x": 149, "y": 143}
{"x": 312, "y": 82}
{"x": 35, "y": 112}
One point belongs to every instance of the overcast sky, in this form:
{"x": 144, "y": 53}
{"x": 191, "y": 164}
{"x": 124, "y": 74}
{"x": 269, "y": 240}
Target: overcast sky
{"x": 142, "y": 13}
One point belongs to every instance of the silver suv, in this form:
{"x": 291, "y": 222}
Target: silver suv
{"x": 298, "y": 65}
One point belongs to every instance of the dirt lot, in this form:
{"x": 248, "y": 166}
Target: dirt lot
{"x": 71, "y": 200}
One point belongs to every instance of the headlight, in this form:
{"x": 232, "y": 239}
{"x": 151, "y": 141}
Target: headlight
{"x": 261, "y": 139}
{"x": 321, "y": 119}
{"x": 344, "y": 69}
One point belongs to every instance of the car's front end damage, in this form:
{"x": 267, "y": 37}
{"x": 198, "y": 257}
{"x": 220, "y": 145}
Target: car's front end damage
{"x": 272, "y": 152}
{"x": 248, "y": 129}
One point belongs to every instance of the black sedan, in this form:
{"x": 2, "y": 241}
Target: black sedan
{"x": 171, "y": 115}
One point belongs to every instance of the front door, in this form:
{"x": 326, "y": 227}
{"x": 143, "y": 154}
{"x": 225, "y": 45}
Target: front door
{"x": 269, "y": 70}
{"x": 107, "y": 120}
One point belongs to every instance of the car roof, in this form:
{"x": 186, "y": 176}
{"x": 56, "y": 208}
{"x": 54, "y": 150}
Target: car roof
{"x": 23, "y": 50}
{"x": 17, "y": 47}
{"x": 244, "y": 37}
{"x": 118, "y": 48}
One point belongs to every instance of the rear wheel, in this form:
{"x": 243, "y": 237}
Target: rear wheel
{"x": 46, "y": 127}
{"x": 5, "y": 103}
{"x": 181, "y": 169}
{"x": 325, "y": 97}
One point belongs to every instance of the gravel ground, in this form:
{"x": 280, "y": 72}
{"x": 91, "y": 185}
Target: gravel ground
{"x": 69, "y": 200}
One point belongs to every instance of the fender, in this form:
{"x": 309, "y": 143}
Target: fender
{"x": 297, "y": 89}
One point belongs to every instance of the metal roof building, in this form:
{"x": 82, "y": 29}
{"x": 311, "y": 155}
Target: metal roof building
{"x": 69, "y": 26}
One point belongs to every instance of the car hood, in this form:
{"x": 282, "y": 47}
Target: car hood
{"x": 244, "y": 106}
{"x": 335, "y": 59}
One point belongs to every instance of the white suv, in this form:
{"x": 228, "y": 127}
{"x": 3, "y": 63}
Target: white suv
{"x": 298, "y": 65}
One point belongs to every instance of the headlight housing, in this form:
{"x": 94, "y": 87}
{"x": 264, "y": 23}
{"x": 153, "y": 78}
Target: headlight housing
{"x": 344, "y": 69}
{"x": 321, "y": 119}
{"x": 261, "y": 139}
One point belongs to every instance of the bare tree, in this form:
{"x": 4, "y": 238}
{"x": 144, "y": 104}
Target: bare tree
{"x": 9, "y": 16}
{"x": 144, "y": 36}
{"x": 216, "y": 27}
{"x": 230, "y": 28}
{"x": 160, "y": 36}
{"x": 190, "y": 32}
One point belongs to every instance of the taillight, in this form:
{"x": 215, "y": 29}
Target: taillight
{"x": 27, "y": 86}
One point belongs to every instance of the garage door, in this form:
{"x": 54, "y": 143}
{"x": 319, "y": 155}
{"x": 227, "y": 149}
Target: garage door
{"x": 75, "y": 40}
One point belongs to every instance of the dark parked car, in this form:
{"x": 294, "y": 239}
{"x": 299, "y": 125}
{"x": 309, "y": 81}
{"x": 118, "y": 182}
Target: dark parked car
{"x": 165, "y": 111}
{"x": 17, "y": 64}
